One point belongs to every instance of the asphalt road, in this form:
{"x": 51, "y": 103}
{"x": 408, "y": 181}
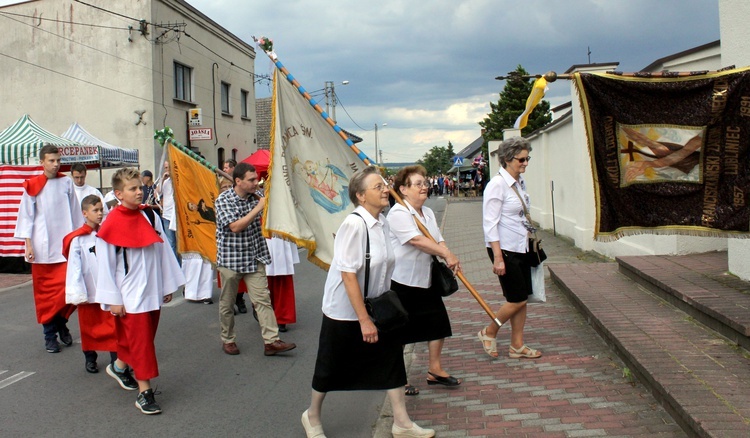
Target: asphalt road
{"x": 204, "y": 392}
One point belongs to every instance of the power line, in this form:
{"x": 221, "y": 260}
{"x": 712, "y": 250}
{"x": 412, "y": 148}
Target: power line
{"x": 349, "y": 115}
{"x": 95, "y": 84}
{"x": 65, "y": 22}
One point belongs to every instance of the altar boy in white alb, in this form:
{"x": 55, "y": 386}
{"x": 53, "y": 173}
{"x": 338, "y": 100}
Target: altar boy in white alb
{"x": 49, "y": 211}
{"x": 137, "y": 271}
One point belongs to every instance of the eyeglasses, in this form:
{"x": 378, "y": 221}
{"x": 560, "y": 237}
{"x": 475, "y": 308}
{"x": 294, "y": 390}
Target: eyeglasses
{"x": 379, "y": 187}
{"x": 522, "y": 160}
{"x": 421, "y": 184}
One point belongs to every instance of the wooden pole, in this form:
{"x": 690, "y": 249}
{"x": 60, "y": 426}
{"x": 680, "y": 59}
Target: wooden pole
{"x": 551, "y": 76}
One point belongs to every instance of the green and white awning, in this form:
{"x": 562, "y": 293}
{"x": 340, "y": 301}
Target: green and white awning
{"x": 20, "y": 143}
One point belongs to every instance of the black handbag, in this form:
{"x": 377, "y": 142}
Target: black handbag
{"x": 443, "y": 280}
{"x": 386, "y": 310}
{"x": 536, "y": 255}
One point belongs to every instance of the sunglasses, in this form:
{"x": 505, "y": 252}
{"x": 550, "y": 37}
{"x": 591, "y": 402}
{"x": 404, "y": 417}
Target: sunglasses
{"x": 522, "y": 160}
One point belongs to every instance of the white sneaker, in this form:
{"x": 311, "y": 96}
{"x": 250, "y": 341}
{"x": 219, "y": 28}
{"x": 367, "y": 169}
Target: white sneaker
{"x": 414, "y": 431}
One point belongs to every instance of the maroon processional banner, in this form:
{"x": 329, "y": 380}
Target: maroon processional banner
{"x": 670, "y": 154}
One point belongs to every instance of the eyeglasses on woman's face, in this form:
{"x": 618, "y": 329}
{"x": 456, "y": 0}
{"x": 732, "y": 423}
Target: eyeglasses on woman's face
{"x": 420, "y": 184}
{"x": 522, "y": 159}
{"x": 379, "y": 187}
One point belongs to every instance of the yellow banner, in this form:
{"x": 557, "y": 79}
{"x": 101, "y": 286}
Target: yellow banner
{"x": 536, "y": 95}
{"x": 195, "y": 190}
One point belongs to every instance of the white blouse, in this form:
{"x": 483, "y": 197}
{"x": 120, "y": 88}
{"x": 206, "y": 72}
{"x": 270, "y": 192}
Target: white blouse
{"x": 503, "y": 218}
{"x": 349, "y": 256}
{"x": 413, "y": 268}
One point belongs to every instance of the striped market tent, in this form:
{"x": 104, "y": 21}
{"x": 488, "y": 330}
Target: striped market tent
{"x": 20, "y": 143}
{"x": 107, "y": 155}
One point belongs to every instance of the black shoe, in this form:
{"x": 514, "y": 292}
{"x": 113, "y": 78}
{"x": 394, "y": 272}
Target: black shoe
{"x": 65, "y": 336}
{"x": 92, "y": 367}
{"x": 124, "y": 379}
{"x": 51, "y": 345}
{"x": 208, "y": 301}
{"x": 282, "y": 328}
{"x": 147, "y": 403}
{"x": 241, "y": 304}
{"x": 255, "y": 315}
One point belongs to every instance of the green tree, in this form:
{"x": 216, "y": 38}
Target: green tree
{"x": 438, "y": 159}
{"x": 511, "y": 104}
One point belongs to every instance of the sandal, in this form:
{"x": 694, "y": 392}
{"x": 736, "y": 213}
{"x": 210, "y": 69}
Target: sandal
{"x": 524, "y": 353}
{"x": 410, "y": 390}
{"x": 492, "y": 349}
{"x": 440, "y": 380}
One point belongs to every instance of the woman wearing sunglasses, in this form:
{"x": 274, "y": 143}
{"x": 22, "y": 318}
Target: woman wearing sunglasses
{"x": 506, "y": 234}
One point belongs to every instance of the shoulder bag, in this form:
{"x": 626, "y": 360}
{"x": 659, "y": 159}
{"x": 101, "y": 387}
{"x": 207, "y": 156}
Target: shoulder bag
{"x": 386, "y": 310}
{"x": 443, "y": 279}
{"x": 536, "y": 254}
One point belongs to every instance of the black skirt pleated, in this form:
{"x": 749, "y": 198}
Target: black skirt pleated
{"x": 428, "y": 318}
{"x": 346, "y": 363}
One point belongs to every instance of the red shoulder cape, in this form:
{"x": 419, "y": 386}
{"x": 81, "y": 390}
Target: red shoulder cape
{"x": 35, "y": 185}
{"x": 128, "y": 228}
{"x": 83, "y": 231}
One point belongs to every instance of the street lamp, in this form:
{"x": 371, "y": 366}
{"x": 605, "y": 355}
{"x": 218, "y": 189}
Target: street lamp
{"x": 376, "y": 141}
{"x": 331, "y": 103}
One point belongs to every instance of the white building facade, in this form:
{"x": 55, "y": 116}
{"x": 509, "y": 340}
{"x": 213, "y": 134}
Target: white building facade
{"x": 125, "y": 69}
{"x": 561, "y": 172}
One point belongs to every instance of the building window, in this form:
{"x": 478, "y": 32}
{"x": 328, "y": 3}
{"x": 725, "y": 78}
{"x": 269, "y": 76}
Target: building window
{"x": 221, "y": 156}
{"x": 225, "y": 98}
{"x": 234, "y": 154}
{"x": 244, "y": 97}
{"x": 183, "y": 82}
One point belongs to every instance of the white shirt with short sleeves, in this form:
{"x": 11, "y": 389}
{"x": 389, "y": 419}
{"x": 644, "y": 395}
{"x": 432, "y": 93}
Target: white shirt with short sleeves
{"x": 413, "y": 268}
{"x": 349, "y": 256}
{"x": 502, "y": 213}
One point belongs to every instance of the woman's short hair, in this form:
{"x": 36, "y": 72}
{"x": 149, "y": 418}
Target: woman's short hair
{"x": 510, "y": 148}
{"x": 357, "y": 182}
{"x": 403, "y": 177}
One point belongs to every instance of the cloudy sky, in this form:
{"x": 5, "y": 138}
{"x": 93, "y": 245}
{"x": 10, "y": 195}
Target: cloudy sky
{"x": 427, "y": 68}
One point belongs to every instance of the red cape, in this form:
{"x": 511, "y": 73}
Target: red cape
{"x": 35, "y": 185}
{"x": 83, "y": 231}
{"x": 128, "y": 228}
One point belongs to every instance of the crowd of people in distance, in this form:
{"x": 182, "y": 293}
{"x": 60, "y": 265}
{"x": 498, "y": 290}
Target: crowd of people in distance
{"x": 118, "y": 281}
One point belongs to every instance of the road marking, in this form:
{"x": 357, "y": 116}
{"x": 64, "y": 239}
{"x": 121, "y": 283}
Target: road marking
{"x": 14, "y": 378}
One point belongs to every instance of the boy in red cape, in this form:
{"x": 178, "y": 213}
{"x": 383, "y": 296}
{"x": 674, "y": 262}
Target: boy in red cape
{"x": 97, "y": 326}
{"x": 136, "y": 273}
{"x": 48, "y": 211}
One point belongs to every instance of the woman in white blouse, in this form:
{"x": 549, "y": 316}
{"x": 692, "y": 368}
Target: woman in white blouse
{"x": 352, "y": 355}
{"x": 428, "y": 318}
{"x": 506, "y": 234}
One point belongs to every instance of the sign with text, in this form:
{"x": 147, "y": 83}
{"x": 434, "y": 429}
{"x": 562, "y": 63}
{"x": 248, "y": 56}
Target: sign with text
{"x": 194, "y": 117}
{"x": 201, "y": 134}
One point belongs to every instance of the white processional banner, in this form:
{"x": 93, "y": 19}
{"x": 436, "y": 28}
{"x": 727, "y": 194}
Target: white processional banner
{"x": 308, "y": 177}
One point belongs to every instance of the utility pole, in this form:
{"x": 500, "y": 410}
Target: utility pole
{"x": 330, "y": 98}
{"x": 377, "y": 162}
{"x": 376, "y": 144}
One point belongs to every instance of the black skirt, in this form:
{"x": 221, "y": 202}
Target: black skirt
{"x": 428, "y": 318}
{"x": 516, "y": 282}
{"x": 346, "y": 363}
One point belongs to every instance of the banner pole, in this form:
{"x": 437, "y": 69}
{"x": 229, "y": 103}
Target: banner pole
{"x": 196, "y": 157}
{"x": 367, "y": 161}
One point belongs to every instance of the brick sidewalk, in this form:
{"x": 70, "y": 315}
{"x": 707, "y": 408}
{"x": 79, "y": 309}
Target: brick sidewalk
{"x": 9, "y": 281}
{"x": 577, "y": 389}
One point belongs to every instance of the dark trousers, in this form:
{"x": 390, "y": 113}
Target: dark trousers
{"x": 91, "y": 356}
{"x": 52, "y": 328}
